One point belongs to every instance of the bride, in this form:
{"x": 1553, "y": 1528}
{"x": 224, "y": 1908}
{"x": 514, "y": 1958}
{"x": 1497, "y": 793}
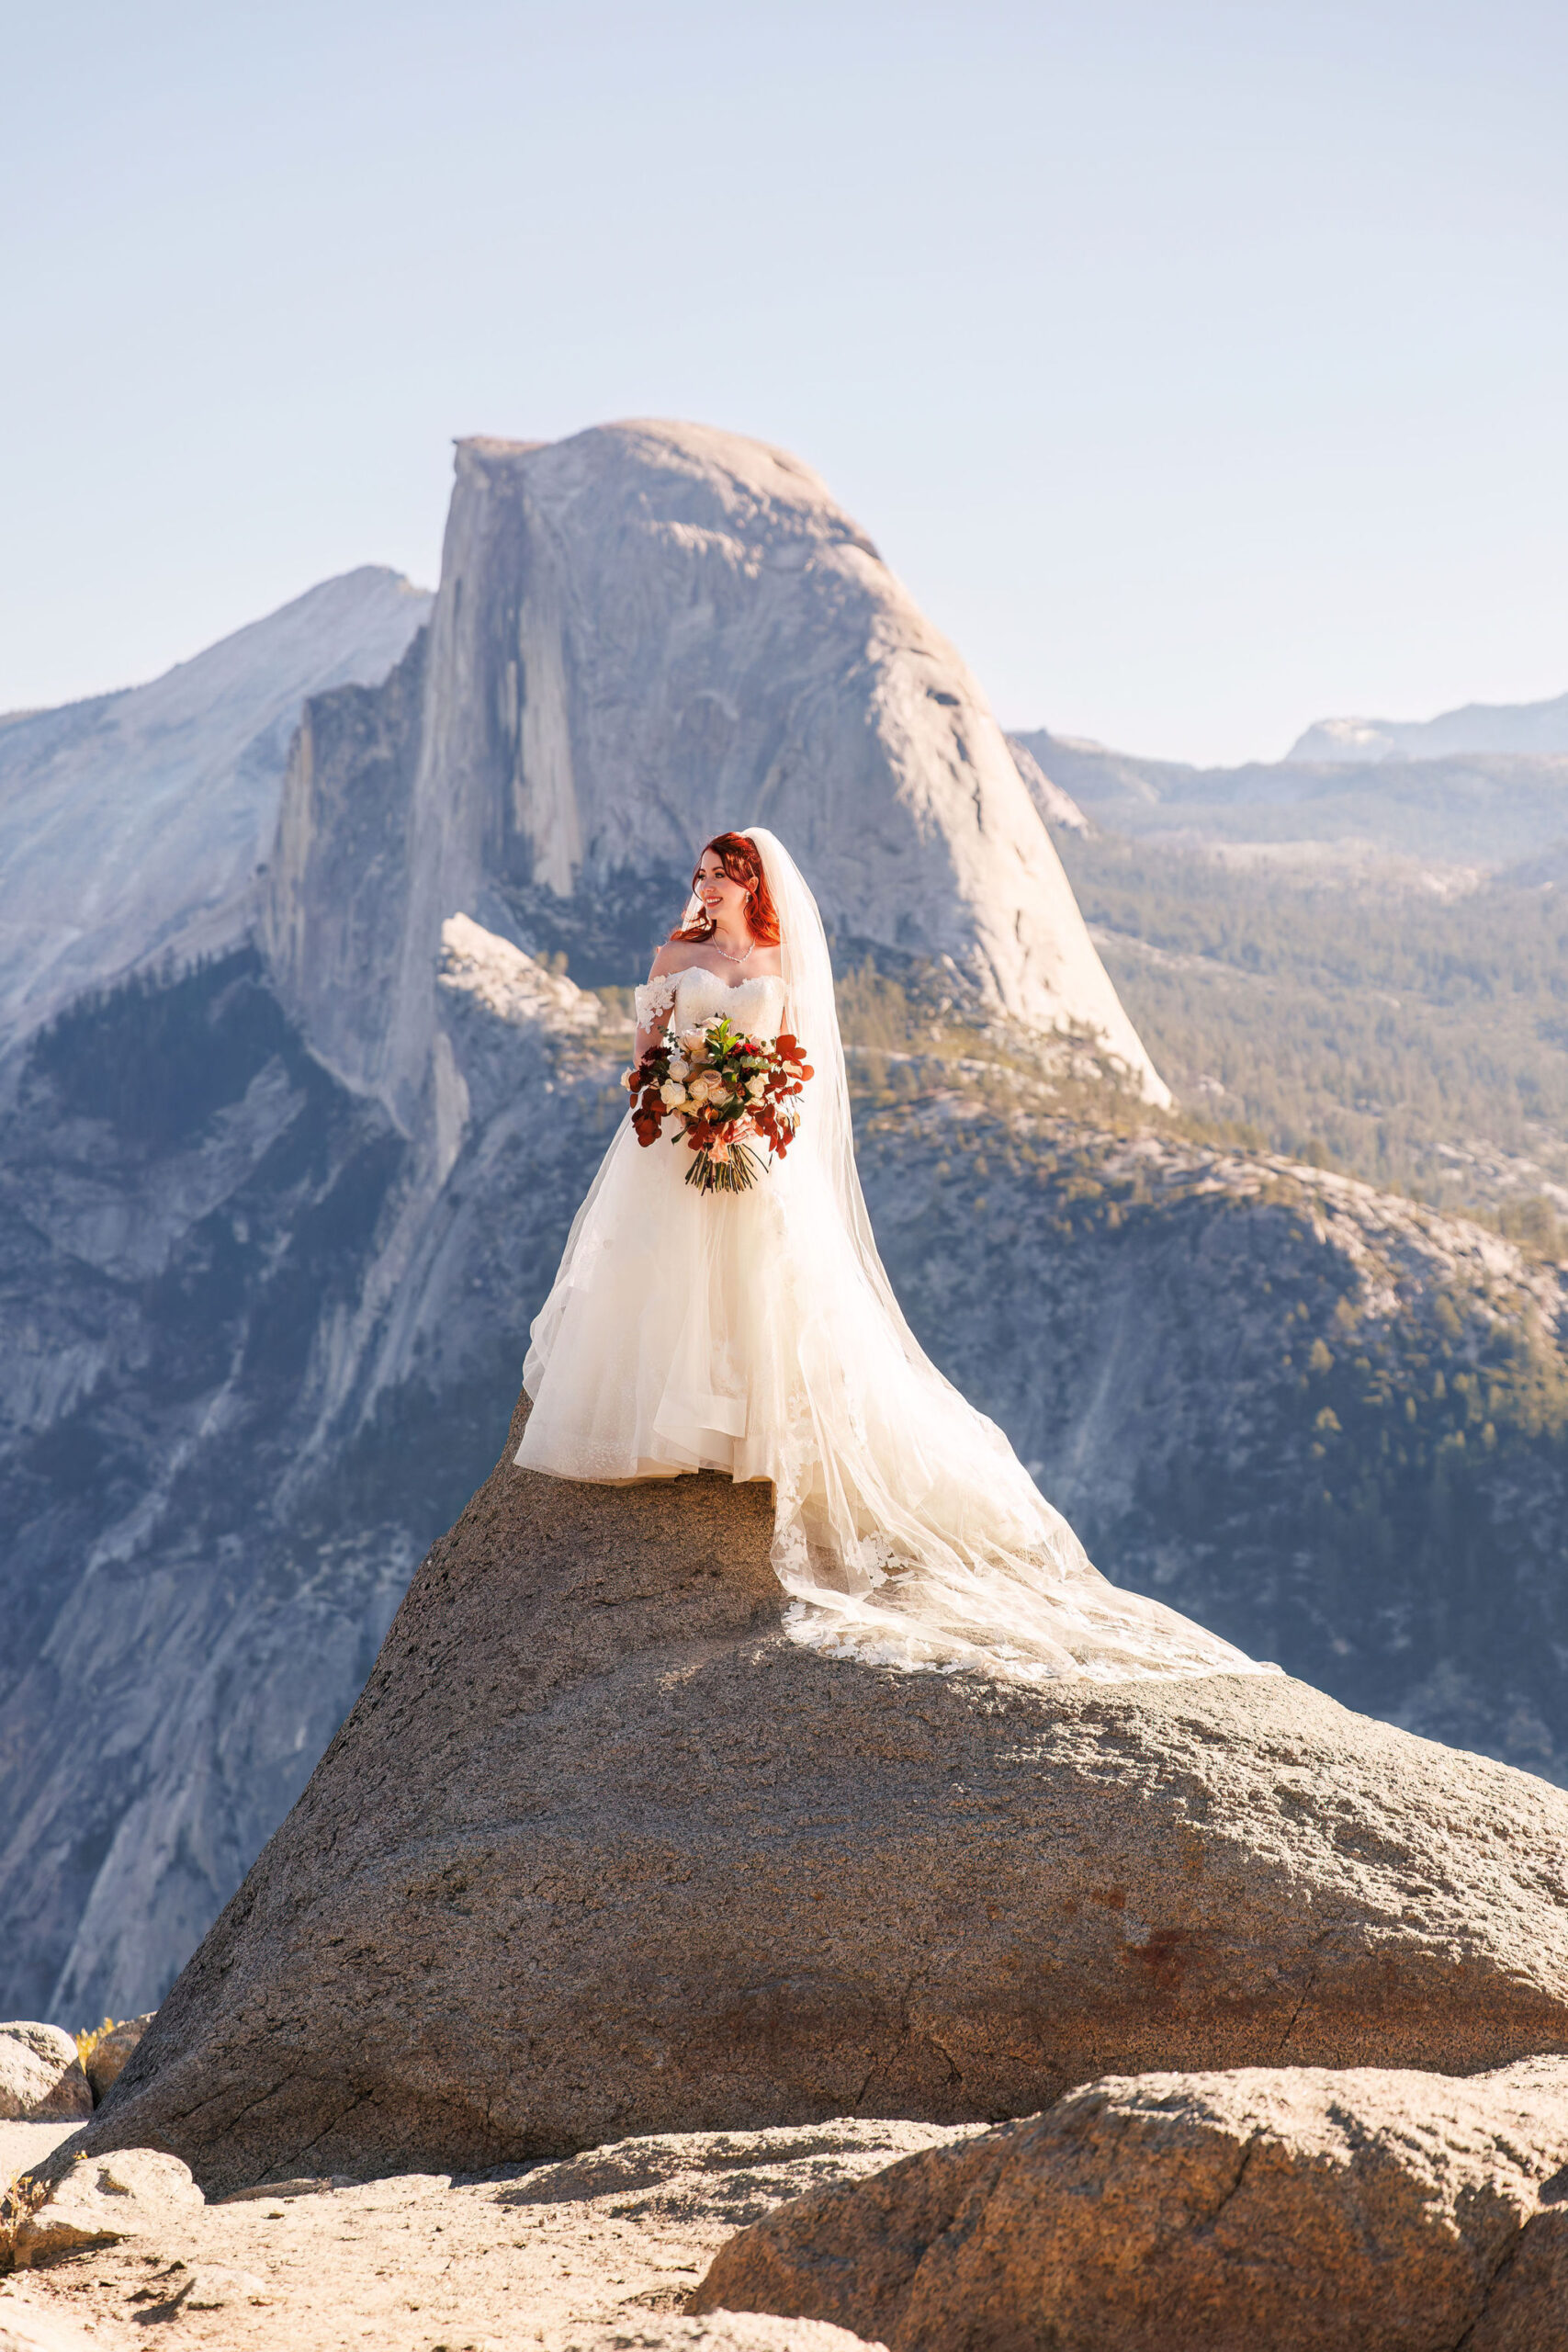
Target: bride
{"x": 757, "y": 1333}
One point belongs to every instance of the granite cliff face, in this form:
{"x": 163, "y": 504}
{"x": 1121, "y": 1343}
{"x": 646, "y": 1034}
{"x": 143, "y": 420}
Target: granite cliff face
{"x": 643, "y": 635}
{"x": 252, "y": 1360}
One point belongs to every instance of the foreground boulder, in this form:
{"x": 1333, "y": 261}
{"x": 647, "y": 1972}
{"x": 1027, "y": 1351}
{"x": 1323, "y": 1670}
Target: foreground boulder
{"x": 1299, "y": 2209}
{"x": 107, "y": 2057}
{"x": 41, "y": 2079}
{"x": 132, "y": 2193}
{"x": 600, "y": 1851}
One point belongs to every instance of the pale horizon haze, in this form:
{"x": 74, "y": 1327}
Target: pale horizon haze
{"x": 1202, "y": 367}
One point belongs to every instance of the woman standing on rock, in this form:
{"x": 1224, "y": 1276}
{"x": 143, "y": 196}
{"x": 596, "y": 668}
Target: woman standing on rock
{"x": 757, "y": 1333}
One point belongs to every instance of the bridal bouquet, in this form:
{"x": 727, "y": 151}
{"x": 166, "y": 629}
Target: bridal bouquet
{"x": 727, "y": 1092}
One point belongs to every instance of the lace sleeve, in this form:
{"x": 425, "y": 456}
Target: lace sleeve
{"x": 654, "y": 1001}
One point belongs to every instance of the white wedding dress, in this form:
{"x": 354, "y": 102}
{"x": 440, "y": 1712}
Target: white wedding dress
{"x": 756, "y": 1333}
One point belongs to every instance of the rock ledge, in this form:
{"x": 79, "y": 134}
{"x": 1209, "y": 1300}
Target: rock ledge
{"x": 600, "y": 1851}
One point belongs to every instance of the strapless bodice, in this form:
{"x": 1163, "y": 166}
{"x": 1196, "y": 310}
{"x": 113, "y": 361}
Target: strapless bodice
{"x": 755, "y": 1006}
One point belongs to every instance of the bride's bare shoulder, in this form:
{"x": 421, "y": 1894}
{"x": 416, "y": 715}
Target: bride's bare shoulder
{"x": 674, "y": 956}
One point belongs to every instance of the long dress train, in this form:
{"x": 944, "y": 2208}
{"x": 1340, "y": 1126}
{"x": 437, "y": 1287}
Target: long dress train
{"x": 755, "y": 1333}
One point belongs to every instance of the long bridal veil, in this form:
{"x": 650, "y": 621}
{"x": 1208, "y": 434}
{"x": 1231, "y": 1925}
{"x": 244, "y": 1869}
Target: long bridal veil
{"x": 906, "y": 1527}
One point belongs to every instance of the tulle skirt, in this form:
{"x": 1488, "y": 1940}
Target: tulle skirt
{"x": 738, "y": 1333}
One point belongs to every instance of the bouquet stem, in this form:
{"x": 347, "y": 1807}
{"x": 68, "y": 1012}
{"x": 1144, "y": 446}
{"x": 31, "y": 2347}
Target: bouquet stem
{"x": 735, "y": 1173}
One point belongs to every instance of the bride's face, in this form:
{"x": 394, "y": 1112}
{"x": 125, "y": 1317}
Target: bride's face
{"x": 723, "y": 901}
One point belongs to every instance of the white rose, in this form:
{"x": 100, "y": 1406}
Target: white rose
{"x": 679, "y": 1066}
{"x": 671, "y": 1096}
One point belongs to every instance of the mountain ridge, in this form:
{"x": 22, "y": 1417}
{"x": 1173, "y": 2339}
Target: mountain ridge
{"x": 133, "y": 824}
{"x": 1530, "y": 728}
{"x": 1483, "y": 808}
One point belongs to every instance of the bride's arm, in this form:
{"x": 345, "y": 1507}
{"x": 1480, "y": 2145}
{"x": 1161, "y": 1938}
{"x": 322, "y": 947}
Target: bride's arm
{"x": 655, "y": 1002}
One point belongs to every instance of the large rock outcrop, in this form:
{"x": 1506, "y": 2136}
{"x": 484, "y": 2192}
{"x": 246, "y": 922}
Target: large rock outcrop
{"x": 600, "y": 1850}
{"x": 644, "y": 634}
{"x": 1305, "y": 2210}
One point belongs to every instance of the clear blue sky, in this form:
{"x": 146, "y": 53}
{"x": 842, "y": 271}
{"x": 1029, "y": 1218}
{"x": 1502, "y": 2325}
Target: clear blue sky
{"x": 1202, "y": 368}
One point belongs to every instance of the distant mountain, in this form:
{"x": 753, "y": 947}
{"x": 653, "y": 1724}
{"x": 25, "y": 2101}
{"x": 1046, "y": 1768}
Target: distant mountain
{"x": 1528, "y": 729}
{"x": 132, "y": 825}
{"x": 1488, "y": 809}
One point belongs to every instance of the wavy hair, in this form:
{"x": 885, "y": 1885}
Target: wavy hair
{"x": 741, "y": 862}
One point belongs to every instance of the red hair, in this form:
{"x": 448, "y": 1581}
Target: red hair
{"x": 741, "y": 862}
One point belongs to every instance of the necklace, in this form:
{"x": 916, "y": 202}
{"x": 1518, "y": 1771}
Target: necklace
{"x": 729, "y": 958}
